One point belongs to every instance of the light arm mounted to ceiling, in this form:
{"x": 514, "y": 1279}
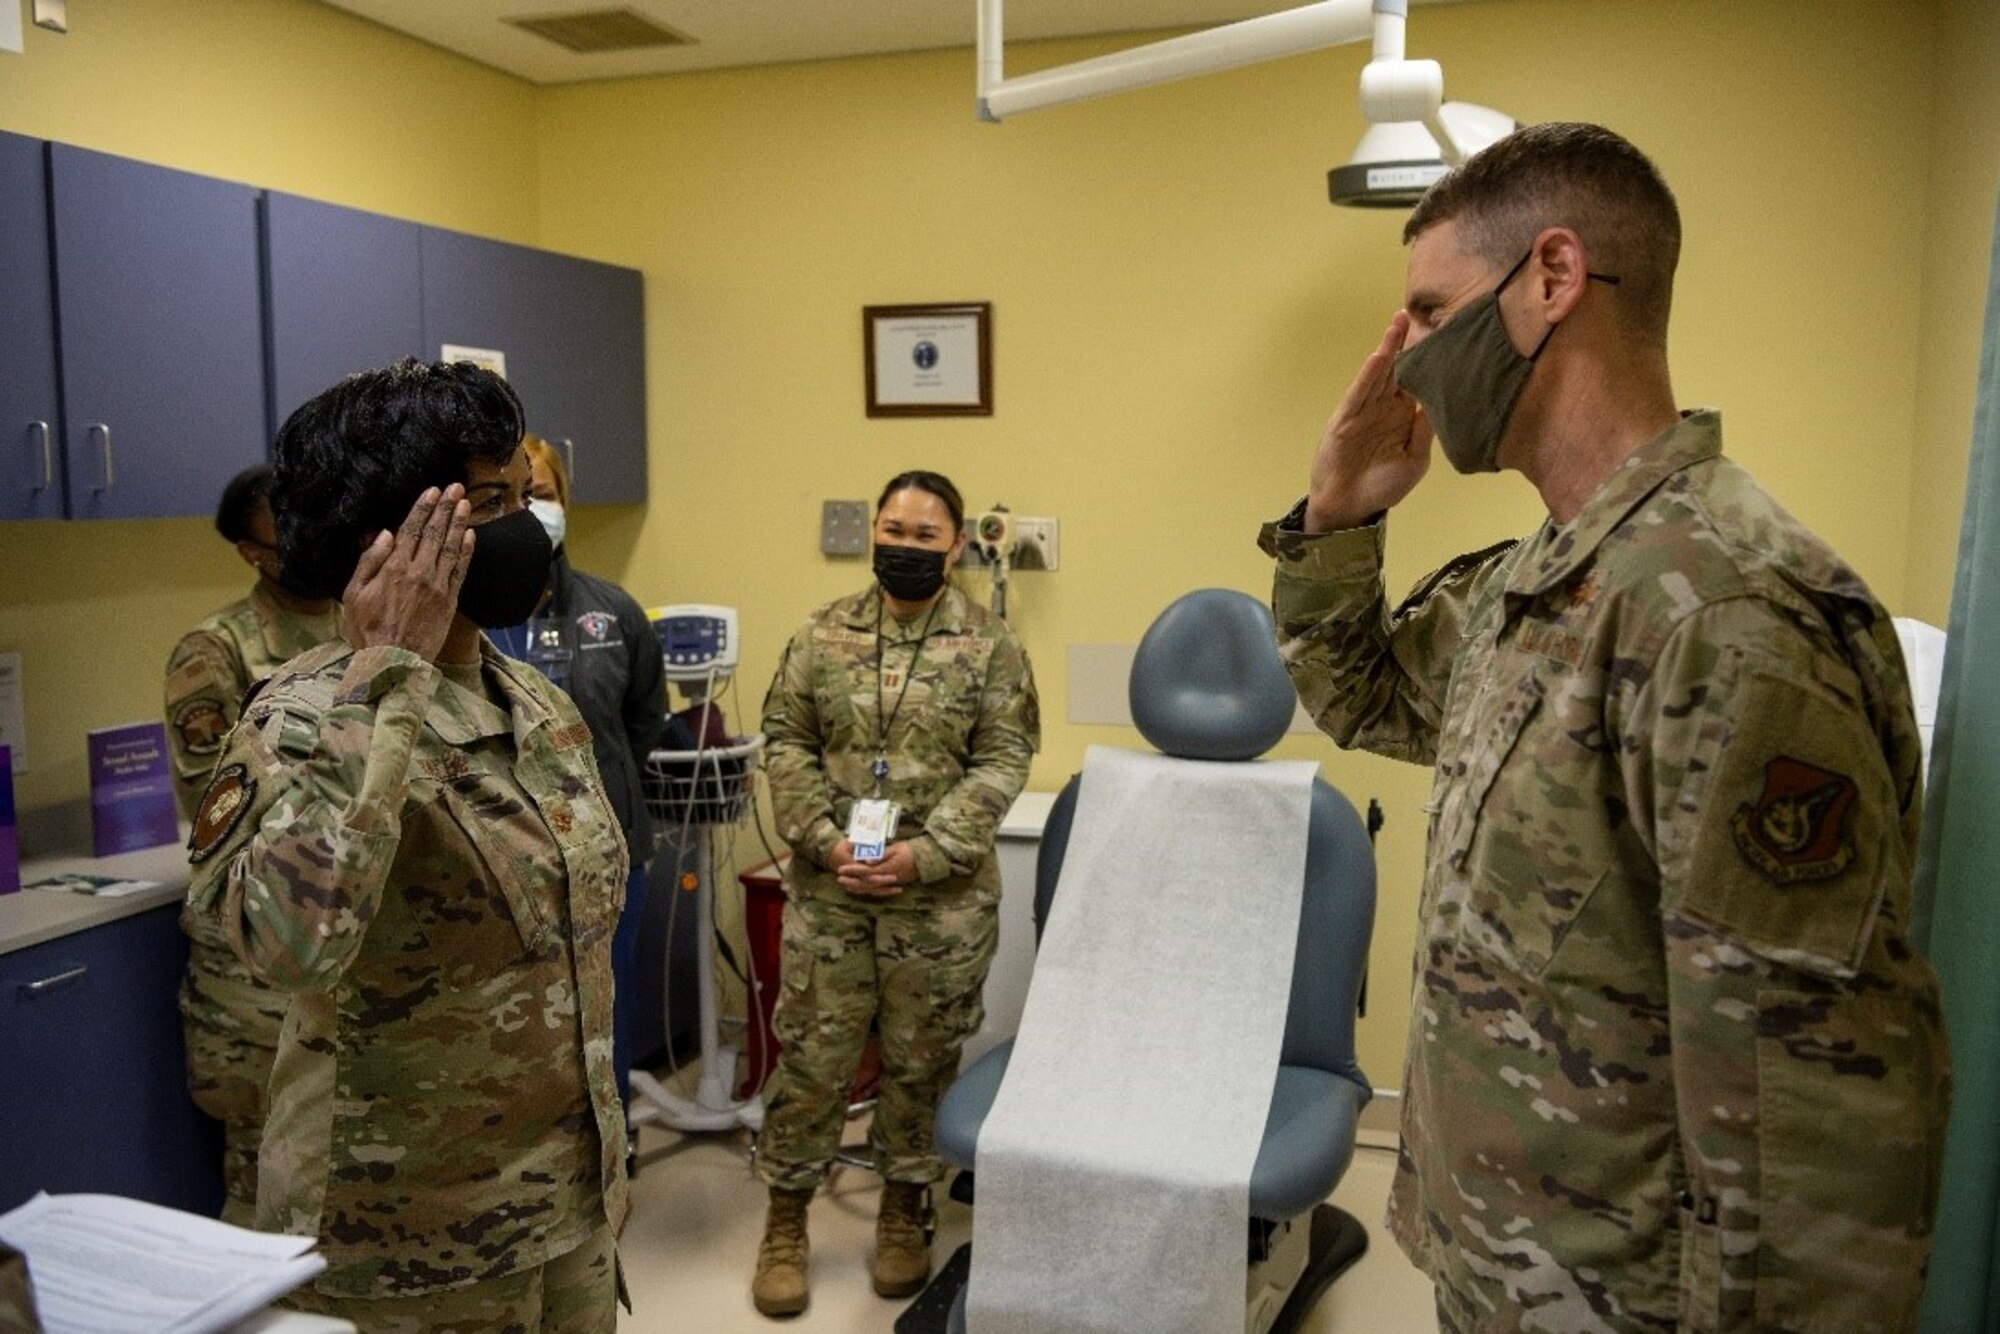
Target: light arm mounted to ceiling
{"x": 1393, "y": 89}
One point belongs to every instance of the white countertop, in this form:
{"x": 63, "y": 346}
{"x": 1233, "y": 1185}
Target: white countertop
{"x": 1027, "y": 815}
{"x": 34, "y": 916}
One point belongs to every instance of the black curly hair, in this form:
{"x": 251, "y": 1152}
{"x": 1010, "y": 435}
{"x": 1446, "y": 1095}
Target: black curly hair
{"x": 351, "y": 461}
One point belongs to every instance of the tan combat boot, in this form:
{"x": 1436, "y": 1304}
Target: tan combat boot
{"x": 780, "y": 1286}
{"x": 902, "y": 1255}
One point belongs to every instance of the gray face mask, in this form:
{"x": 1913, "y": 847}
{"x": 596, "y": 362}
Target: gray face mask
{"x": 1468, "y": 376}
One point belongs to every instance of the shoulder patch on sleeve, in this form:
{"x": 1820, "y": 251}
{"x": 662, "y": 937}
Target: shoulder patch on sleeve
{"x": 1797, "y": 830}
{"x": 223, "y": 806}
{"x": 201, "y": 725}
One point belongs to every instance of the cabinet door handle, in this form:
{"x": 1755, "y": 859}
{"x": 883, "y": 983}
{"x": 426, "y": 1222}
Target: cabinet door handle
{"x": 103, "y": 430}
{"x": 48, "y": 455}
{"x": 51, "y": 983}
{"x": 569, "y": 449}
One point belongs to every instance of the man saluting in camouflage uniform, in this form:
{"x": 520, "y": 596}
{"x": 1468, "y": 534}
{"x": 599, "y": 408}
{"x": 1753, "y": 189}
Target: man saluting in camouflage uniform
{"x": 1672, "y": 1062}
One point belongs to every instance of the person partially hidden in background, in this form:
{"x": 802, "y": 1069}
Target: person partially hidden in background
{"x": 407, "y": 834}
{"x": 229, "y": 1022}
{"x": 608, "y": 659}
{"x": 1673, "y": 1062}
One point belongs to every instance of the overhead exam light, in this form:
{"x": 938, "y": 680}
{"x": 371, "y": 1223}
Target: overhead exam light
{"x": 1396, "y": 162}
{"x": 1396, "y": 94}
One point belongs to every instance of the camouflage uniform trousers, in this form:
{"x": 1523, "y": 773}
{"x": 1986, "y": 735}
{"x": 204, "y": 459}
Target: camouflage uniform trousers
{"x": 575, "y": 1293}
{"x": 918, "y": 973}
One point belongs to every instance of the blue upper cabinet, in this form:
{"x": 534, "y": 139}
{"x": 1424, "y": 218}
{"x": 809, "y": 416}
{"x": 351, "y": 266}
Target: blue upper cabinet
{"x": 346, "y": 294}
{"x": 161, "y": 319}
{"x": 31, "y": 482}
{"x": 573, "y": 334}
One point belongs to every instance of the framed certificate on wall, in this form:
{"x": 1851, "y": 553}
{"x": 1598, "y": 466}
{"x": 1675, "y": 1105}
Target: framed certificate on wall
{"x": 929, "y": 361}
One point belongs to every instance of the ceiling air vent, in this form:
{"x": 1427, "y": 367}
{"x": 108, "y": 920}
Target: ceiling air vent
{"x": 597, "y": 30}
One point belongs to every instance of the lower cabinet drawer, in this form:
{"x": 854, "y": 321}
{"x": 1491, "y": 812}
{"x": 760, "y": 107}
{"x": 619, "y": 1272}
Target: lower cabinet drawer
{"x": 93, "y": 1077}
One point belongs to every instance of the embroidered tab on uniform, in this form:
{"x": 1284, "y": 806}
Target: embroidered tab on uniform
{"x": 1798, "y": 830}
{"x": 190, "y": 675}
{"x": 201, "y": 725}
{"x": 222, "y": 808}
{"x": 574, "y": 734}
{"x": 1551, "y": 641}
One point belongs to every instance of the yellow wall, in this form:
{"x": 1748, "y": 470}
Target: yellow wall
{"x": 1177, "y": 307}
{"x": 1959, "y": 206}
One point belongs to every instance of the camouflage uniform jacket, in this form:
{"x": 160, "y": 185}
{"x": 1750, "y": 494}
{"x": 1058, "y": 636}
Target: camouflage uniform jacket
{"x": 435, "y": 878}
{"x": 232, "y": 1022}
{"x": 958, "y": 746}
{"x": 1672, "y": 1062}
{"x": 216, "y": 663}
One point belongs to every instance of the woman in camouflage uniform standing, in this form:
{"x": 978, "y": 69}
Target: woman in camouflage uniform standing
{"x": 908, "y": 693}
{"x": 406, "y": 833}
{"x": 230, "y": 1022}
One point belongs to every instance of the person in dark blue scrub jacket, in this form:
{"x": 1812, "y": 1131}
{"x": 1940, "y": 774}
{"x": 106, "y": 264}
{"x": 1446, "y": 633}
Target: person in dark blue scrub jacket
{"x": 593, "y": 640}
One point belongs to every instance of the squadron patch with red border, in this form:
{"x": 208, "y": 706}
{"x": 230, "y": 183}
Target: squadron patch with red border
{"x": 1798, "y": 828}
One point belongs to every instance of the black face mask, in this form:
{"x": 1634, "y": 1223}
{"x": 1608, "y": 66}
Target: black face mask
{"x": 508, "y": 571}
{"x": 909, "y": 574}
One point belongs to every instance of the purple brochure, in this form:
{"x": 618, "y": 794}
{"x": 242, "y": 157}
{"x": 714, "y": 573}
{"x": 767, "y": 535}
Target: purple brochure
{"x": 131, "y": 789}
{"x": 10, "y": 846}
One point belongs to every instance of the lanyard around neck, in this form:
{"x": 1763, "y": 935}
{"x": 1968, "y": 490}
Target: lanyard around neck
{"x": 883, "y": 722}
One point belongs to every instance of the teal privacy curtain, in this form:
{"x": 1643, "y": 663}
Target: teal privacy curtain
{"x": 1957, "y": 917}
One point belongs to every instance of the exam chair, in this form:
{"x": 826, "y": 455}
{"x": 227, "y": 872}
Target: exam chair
{"x": 1207, "y": 684}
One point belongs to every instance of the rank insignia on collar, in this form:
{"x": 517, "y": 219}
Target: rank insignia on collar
{"x": 1798, "y": 829}
{"x": 201, "y": 725}
{"x": 223, "y": 806}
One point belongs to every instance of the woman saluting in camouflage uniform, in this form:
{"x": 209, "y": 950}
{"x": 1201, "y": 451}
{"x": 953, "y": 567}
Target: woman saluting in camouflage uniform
{"x": 406, "y": 834}
{"x": 906, "y": 695}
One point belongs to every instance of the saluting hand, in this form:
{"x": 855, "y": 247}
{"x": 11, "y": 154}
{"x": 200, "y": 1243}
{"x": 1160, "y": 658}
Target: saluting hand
{"x": 882, "y": 879}
{"x": 404, "y": 592}
{"x": 1376, "y": 447}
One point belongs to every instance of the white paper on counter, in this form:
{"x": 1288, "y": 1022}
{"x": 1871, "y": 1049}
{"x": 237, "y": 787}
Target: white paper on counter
{"x": 105, "y": 1265}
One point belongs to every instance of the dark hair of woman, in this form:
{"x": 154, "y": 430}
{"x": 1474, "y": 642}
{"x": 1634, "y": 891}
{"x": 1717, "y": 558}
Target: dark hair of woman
{"x": 935, "y": 483}
{"x": 246, "y": 490}
{"x": 351, "y": 462}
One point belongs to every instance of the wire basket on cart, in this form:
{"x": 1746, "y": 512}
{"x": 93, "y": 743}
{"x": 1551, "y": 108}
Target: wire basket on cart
{"x": 710, "y": 786}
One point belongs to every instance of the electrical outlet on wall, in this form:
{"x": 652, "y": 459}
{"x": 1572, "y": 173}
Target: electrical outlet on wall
{"x": 52, "y": 14}
{"x": 843, "y": 528}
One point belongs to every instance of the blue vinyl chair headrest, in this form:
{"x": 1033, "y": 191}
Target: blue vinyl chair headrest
{"x": 1207, "y": 682}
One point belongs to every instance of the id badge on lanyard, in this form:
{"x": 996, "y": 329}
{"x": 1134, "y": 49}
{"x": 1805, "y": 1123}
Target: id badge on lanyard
{"x": 870, "y": 826}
